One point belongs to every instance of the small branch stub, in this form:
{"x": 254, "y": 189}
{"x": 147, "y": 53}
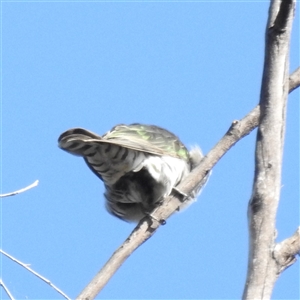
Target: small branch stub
{"x": 286, "y": 251}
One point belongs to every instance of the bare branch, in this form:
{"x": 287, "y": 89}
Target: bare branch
{"x": 6, "y": 290}
{"x": 147, "y": 227}
{"x": 35, "y": 273}
{"x": 21, "y": 190}
{"x": 262, "y": 267}
{"x": 282, "y": 21}
{"x": 237, "y": 131}
{"x": 294, "y": 80}
{"x": 285, "y": 252}
{"x": 139, "y": 235}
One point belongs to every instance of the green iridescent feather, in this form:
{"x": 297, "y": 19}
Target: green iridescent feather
{"x": 152, "y": 139}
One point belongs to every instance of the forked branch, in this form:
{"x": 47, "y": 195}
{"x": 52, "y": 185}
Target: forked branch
{"x": 147, "y": 226}
{"x": 262, "y": 210}
{"x": 285, "y": 252}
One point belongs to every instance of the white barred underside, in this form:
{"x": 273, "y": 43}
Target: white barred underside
{"x": 136, "y": 181}
{"x": 133, "y": 203}
{"x": 166, "y": 170}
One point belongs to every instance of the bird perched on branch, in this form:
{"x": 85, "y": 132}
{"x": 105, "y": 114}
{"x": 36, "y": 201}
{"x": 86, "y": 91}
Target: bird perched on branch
{"x": 139, "y": 164}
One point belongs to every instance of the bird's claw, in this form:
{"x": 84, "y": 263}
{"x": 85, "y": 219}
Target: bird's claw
{"x": 161, "y": 222}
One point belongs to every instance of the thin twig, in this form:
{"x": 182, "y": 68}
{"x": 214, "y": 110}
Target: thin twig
{"x": 35, "y": 273}
{"x": 21, "y": 190}
{"x": 6, "y": 290}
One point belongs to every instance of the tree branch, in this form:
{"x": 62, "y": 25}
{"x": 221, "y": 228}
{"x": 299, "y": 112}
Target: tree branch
{"x": 21, "y": 190}
{"x": 36, "y": 274}
{"x": 10, "y": 296}
{"x": 262, "y": 267}
{"x": 285, "y": 252}
{"x": 294, "y": 80}
{"x": 147, "y": 227}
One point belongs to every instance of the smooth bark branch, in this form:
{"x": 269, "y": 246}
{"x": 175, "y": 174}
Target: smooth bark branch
{"x": 285, "y": 252}
{"x": 138, "y": 236}
{"x": 294, "y": 80}
{"x": 147, "y": 227}
{"x": 262, "y": 267}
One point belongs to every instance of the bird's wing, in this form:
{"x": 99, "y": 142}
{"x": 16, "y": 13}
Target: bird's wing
{"x": 148, "y": 139}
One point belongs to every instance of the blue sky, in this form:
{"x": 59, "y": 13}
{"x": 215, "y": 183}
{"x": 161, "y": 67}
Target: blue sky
{"x": 192, "y": 68}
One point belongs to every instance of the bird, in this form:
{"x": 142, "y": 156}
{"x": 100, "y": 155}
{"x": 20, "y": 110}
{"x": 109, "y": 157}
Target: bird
{"x": 139, "y": 165}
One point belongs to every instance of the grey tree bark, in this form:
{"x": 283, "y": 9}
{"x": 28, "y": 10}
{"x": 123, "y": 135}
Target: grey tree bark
{"x": 263, "y": 268}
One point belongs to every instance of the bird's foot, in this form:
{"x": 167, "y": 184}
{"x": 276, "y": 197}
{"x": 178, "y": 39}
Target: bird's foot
{"x": 161, "y": 222}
